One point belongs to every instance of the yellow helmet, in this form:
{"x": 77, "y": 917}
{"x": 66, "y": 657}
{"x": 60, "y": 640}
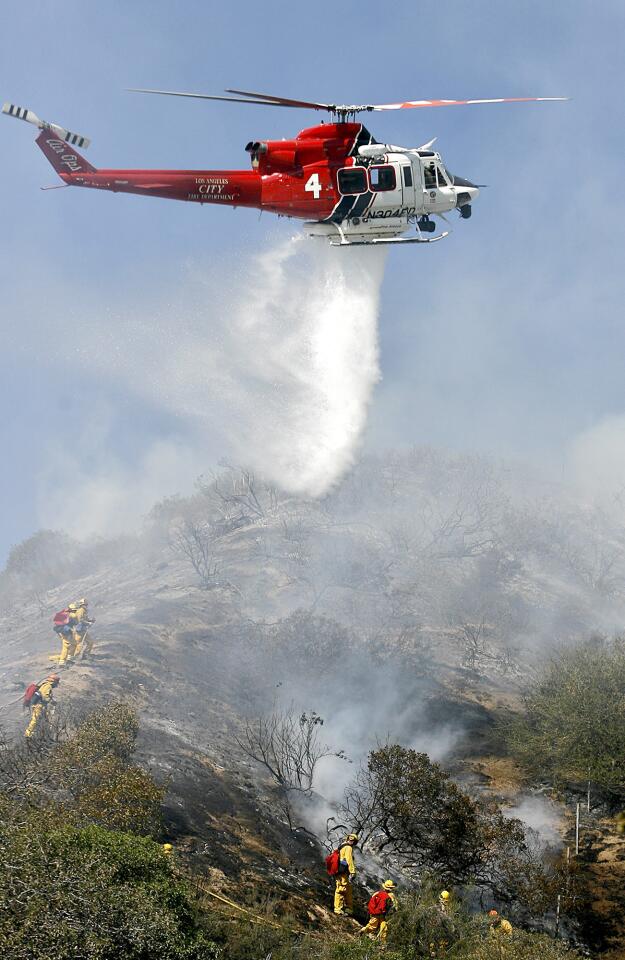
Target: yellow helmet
{"x": 72, "y": 607}
{"x": 167, "y": 848}
{"x": 352, "y": 838}
{"x": 388, "y": 885}
{"x": 445, "y": 895}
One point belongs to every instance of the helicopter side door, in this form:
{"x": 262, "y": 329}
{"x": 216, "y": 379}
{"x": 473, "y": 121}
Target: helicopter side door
{"x": 430, "y": 185}
{"x": 411, "y": 187}
{"x": 387, "y": 186}
{"x": 438, "y": 195}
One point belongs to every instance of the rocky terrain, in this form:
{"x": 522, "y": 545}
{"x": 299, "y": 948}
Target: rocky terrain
{"x": 411, "y": 604}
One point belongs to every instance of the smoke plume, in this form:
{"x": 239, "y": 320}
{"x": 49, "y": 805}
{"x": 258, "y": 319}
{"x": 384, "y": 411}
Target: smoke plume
{"x": 271, "y": 363}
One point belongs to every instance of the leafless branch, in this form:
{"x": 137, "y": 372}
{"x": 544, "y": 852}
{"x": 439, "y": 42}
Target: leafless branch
{"x": 195, "y": 542}
{"x": 287, "y": 744}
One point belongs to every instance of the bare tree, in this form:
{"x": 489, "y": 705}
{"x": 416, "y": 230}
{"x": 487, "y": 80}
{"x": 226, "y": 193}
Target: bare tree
{"x": 474, "y": 639}
{"x": 239, "y": 496}
{"x": 43, "y": 604}
{"x": 194, "y": 541}
{"x": 485, "y": 631}
{"x": 296, "y": 535}
{"x": 42, "y": 560}
{"x": 597, "y": 559}
{"x": 288, "y": 746}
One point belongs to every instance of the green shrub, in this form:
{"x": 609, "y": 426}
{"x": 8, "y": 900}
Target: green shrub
{"x": 406, "y": 805}
{"x": 110, "y": 730}
{"x": 520, "y": 946}
{"x": 420, "y": 930}
{"x": 573, "y": 725}
{"x": 92, "y": 894}
{"x": 95, "y": 767}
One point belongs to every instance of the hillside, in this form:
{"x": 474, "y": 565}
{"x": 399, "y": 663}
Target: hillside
{"x": 409, "y": 605}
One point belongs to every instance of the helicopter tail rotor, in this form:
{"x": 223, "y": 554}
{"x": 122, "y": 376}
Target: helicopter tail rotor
{"x": 23, "y": 113}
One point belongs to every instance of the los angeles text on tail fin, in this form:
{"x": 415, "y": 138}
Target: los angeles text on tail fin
{"x": 63, "y": 158}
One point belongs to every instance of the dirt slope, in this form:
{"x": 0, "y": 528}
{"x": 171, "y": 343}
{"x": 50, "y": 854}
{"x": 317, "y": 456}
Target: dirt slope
{"x": 195, "y": 662}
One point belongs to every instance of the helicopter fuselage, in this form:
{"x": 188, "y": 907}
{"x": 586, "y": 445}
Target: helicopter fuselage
{"x": 333, "y": 175}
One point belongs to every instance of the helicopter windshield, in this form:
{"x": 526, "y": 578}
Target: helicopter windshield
{"x": 429, "y": 176}
{"x": 435, "y": 175}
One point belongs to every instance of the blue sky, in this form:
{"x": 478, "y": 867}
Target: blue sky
{"x": 507, "y": 338}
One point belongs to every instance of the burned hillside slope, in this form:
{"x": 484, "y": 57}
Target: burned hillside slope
{"x": 196, "y": 669}
{"x": 409, "y": 605}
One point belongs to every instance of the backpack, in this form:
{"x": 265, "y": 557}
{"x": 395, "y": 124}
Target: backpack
{"x": 333, "y": 863}
{"x": 379, "y": 904}
{"x": 30, "y": 695}
{"x": 61, "y": 618}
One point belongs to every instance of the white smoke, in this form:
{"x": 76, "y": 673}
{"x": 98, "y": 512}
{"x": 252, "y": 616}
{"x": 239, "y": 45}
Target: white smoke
{"x": 107, "y": 497}
{"x": 365, "y": 721}
{"x": 542, "y": 816}
{"x": 597, "y": 460}
{"x": 271, "y": 363}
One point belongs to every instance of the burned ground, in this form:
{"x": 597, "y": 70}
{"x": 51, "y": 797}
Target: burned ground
{"x": 414, "y": 617}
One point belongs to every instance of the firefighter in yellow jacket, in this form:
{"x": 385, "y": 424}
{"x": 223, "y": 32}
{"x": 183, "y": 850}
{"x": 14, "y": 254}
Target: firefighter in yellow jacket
{"x": 444, "y": 902}
{"x": 499, "y": 926}
{"x": 69, "y": 637}
{"x": 380, "y": 905}
{"x": 343, "y": 895}
{"x": 40, "y": 700}
{"x": 84, "y": 642}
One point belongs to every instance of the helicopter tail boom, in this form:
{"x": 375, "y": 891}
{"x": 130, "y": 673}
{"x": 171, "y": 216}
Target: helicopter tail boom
{"x": 234, "y": 188}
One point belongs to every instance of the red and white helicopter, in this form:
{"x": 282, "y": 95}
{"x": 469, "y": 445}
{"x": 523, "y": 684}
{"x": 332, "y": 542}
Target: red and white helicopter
{"x": 335, "y": 176}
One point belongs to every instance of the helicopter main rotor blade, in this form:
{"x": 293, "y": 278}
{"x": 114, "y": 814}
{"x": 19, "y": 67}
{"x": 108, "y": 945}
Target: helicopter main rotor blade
{"x": 341, "y": 110}
{"x": 208, "y": 96}
{"x": 285, "y": 101}
{"x": 414, "y": 104}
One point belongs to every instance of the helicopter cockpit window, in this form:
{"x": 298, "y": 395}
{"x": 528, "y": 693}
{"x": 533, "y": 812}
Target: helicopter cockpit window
{"x": 429, "y": 176}
{"x": 442, "y": 178}
{"x": 352, "y": 180}
{"x": 382, "y": 178}
{"x": 407, "y": 176}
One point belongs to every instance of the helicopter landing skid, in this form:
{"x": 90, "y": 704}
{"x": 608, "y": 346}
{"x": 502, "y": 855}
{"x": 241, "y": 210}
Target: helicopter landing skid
{"x": 367, "y": 243}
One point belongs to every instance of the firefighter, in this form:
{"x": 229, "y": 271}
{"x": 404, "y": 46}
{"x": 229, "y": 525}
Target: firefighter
{"x": 444, "y": 902}
{"x": 40, "y": 700}
{"x": 69, "y": 638}
{"x": 84, "y": 644}
{"x": 443, "y": 926}
{"x": 343, "y": 894}
{"x": 499, "y": 926}
{"x": 380, "y": 905}
{"x": 63, "y": 630}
